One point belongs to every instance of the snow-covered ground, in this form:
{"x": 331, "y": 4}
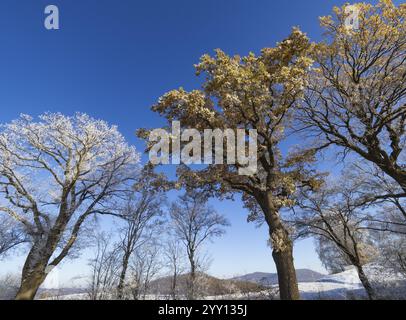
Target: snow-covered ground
{"x": 341, "y": 286}
{"x": 346, "y": 285}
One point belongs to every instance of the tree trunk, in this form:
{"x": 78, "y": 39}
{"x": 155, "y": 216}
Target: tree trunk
{"x": 288, "y": 286}
{"x": 173, "y": 287}
{"x": 29, "y": 286}
{"x": 120, "y": 287}
{"x": 192, "y": 277}
{"x": 35, "y": 266}
{"x": 365, "y": 282}
{"x": 33, "y": 275}
{"x": 282, "y": 253}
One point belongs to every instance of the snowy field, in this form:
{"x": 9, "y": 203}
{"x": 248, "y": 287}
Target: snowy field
{"x": 341, "y": 286}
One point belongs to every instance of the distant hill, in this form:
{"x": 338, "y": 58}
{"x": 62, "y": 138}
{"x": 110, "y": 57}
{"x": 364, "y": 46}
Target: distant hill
{"x": 208, "y": 286}
{"x": 268, "y": 279}
{"x": 254, "y": 283}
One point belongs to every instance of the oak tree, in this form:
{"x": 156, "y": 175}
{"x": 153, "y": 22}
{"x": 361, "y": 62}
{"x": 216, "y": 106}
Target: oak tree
{"x": 251, "y": 93}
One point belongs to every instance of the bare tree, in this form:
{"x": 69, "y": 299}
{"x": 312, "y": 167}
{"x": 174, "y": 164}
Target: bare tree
{"x": 389, "y": 237}
{"x": 174, "y": 261}
{"x": 141, "y": 213}
{"x": 11, "y": 235}
{"x": 393, "y": 253}
{"x": 194, "y": 222}
{"x": 105, "y": 267}
{"x": 54, "y": 174}
{"x": 146, "y": 264}
{"x": 9, "y": 284}
{"x": 333, "y": 215}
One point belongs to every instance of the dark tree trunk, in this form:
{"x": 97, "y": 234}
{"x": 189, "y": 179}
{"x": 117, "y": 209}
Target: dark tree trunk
{"x": 30, "y": 284}
{"x": 365, "y": 282}
{"x": 120, "y": 287}
{"x": 33, "y": 274}
{"x": 288, "y": 287}
{"x": 282, "y": 253}
{"x": 192, "y": 277}
{"x": 173, "y": 286}
{"x": 29, "y": 287}
{"x": 35, "y": 267}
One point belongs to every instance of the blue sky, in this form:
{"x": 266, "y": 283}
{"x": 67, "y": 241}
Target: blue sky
{"x": 113, "y": 59}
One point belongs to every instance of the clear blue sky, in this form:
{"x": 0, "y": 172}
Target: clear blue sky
{"x": 113, "y": 59}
